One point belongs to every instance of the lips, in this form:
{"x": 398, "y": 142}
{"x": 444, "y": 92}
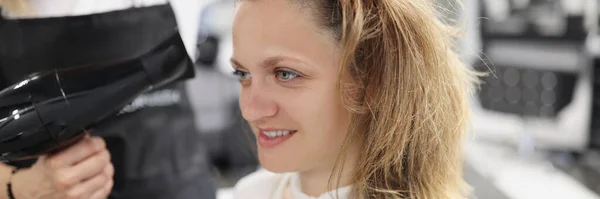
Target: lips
{"x": 271, "y": 138}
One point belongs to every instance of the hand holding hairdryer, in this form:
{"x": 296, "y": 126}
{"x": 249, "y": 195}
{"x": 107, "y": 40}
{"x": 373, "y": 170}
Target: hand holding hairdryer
{"x": 50, "y": 110}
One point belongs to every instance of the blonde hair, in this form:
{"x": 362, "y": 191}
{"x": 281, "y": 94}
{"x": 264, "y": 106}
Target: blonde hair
{"x": 407, "y": 90}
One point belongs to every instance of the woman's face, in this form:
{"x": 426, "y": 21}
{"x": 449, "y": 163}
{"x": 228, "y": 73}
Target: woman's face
{"x": 288, "y": 69}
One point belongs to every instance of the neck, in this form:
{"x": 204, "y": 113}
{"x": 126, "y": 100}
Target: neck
{"x": 316, "y": 181}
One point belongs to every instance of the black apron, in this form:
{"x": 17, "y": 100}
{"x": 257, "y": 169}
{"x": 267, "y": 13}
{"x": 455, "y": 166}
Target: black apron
{"x": 154, "y": 143}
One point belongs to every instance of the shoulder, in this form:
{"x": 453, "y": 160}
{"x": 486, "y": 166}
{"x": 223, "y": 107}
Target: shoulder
{"x": 258, "y": 185}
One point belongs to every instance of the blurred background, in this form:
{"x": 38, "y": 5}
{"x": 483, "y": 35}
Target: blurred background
{"x": 536, "y": 127}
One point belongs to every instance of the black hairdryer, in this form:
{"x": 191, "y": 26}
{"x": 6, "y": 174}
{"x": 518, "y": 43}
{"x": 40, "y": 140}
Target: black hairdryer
{"x": 50, "y": 110}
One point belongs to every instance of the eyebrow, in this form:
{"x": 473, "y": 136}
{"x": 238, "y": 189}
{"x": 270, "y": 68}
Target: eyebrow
{"x": 269, "y": 62}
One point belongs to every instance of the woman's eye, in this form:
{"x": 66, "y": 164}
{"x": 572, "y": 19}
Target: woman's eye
{"x": 241, "y": 75}
{"x": 286, "y": 75}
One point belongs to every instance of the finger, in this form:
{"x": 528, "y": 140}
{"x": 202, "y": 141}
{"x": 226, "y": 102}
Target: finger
{"x": 104, "y": 192}
{"x": 92, "y": 166}
{"x": 109, "y": 171}
{"x": 76, "y": 153}
{"x": 88, "y": 187}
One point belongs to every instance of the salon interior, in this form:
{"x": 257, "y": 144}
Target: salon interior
{"x": 535, "y": 132}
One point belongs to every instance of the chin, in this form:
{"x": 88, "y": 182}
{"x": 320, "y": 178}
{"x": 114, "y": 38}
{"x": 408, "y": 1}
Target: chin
{"x": 277, "y": 164}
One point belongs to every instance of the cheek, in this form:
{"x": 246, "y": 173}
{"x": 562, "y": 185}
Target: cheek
{"x": 242, "y": 98}
{"x": 320, "y": 115}
{"x": 324, "y": 130}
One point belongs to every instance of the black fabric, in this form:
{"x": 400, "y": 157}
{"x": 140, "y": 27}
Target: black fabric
{"x": 156, "y": 149}
{"x": 595, "y": 120}
{"x": 42, "y": 44}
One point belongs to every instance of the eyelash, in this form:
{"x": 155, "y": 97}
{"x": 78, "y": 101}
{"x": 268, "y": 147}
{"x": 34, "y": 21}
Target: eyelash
{"x": 241, "y": 75}
{"x": 292, "y": 72}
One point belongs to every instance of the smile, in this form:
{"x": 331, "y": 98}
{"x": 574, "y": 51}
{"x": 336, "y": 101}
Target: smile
{"x": 273, "y": 134}
{"x": 272, "y": 138}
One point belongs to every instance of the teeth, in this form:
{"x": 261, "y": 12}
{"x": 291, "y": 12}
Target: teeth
{"x": 276, "y": 133}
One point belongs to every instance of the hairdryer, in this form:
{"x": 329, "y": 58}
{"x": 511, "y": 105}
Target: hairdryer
{"x": 49, "y": 110}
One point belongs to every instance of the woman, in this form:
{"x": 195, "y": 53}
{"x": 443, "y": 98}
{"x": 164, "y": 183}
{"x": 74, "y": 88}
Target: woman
{"x": 351, "y": 99}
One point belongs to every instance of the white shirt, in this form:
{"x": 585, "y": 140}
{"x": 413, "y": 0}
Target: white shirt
{"x": 187, "y": 12}
{"x": 267, "y": 185}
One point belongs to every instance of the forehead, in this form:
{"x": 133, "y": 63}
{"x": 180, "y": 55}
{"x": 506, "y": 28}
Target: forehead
{"x": 276, "y": 16}
{"x": 275, "y": 27}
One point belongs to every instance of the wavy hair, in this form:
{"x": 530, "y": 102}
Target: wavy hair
{"x": 408, "y": 92}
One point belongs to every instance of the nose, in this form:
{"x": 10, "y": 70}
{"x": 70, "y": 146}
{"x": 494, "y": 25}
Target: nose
{"x": 257, "y": 102}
